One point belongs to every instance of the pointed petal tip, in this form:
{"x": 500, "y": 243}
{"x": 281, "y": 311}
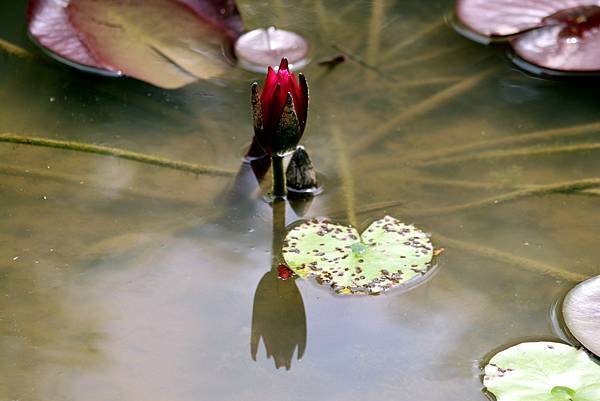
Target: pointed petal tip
{"x": 284, "y": 64}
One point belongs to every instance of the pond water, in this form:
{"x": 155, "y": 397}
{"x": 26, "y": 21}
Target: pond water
{"x": 121, "y": 280}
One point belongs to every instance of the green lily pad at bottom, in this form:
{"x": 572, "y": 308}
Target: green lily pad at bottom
{"x": 388, "y": 254}
{"x": 543, "y": 371}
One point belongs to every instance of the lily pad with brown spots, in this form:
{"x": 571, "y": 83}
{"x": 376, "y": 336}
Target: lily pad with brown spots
{"x": 388, "y": 254}
{"x": 542, "y": 371}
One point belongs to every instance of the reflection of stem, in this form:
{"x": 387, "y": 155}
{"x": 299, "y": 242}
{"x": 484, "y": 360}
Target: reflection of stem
{"x": 509, "y": 153}
{"x": 279, "y": 186}
{"x": 346, "y": 174}
{"x": 419, "y": 109}
{"x": 117, "y": 153}
{"x": 541, "y": 190}
{"x": 278, "y": 230}
{"x": 510, "y": 259}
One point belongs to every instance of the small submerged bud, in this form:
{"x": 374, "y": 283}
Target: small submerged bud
{"x": 284, "y": 272}
{"x": 301, "y": 175}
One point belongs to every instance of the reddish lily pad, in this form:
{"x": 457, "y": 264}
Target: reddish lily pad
{"x": 558, "y": 36}
{"x": 570, "y": 41}
{"x": 168, "y": 43}
{"x": 493, "y": 18}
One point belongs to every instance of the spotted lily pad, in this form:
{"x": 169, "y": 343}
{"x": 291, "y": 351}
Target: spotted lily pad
{"x": 543, "y": 371}
{"x": 388, "y": 254}
{"x": 581, "y": 311}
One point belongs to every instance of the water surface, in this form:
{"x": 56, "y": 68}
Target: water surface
{"x": 121, "y": 280}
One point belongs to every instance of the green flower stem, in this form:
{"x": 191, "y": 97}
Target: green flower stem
{"x": 117, "y": 153}
{"x": 279, "y": 185}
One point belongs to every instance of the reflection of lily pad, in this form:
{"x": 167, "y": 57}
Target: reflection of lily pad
{"x": 388, "y": 254}
{"x": 543, "y": 371}
{"x": 581, "y": 310}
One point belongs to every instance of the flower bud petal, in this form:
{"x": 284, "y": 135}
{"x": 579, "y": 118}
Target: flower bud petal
{"x": 288, "y": 133}
{"x": 257, "y": 115}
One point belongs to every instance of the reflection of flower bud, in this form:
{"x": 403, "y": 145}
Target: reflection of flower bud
{"x": 279, "y": 110}
{"x": 278, "y": 317}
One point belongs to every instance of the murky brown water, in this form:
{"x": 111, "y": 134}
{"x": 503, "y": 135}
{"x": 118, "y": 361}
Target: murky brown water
{"x": 120, "y": 280}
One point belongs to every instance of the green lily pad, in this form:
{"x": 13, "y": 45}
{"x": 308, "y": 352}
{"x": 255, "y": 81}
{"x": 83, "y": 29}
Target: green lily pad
{"x": 388, "y": 254}
{"x": 543, "y": 371}
{"x": 581, "y": 310}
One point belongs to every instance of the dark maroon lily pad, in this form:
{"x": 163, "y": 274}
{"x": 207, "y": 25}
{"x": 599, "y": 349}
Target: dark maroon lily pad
{"x": 493, "y": 18}
{"x": 168, "y": 43}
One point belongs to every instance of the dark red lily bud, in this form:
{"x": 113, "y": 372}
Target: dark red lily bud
{"x": 280, "y": 110}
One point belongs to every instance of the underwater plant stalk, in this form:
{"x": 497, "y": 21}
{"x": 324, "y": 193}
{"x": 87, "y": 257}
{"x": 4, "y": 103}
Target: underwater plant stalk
{"x": 116, "y": 153}
{"x": 347, "y": 178}
{"x": 279, "y": 185}
{"x": 418, "y": 109}
{"x": 15, "y": 50}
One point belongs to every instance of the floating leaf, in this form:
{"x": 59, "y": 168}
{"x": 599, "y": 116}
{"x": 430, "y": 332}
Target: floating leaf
{"x": 542, "y": 371}
{"x": 508, "y": 17}
{"x": 570, "y": 41}
{"x": 260, "y": 48}
{"x": 169, "y": 43}
{"x": 557, "y": 35}
{"x": 388, "y": 254}
{"x": 581, "y": 310}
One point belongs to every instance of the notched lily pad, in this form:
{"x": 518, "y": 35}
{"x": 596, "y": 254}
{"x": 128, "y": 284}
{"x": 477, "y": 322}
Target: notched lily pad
{"x": 388, "y": 254}
{"x": 497, "y": 18}
{"x": 542, "y": 371}
{"x": 562, "y": 37}
{"x": 581, "y": 311}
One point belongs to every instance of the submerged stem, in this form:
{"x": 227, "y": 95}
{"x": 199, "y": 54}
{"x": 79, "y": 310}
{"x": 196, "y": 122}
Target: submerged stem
{"x": 541, "y": 190}
{"x": 15, "y": 50}
{"x": 509, "y": 153}
{"x": 517, "y": 139}
{"x": 419, "y": 35}
{"x": 117, "y": 153}
{"x": 510, "y": 259}
{"x": 375, "y": 27}
{"x": 419, "y": 109}
{"x": 345, "y": 174}
{"x": 78, "y": 181}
